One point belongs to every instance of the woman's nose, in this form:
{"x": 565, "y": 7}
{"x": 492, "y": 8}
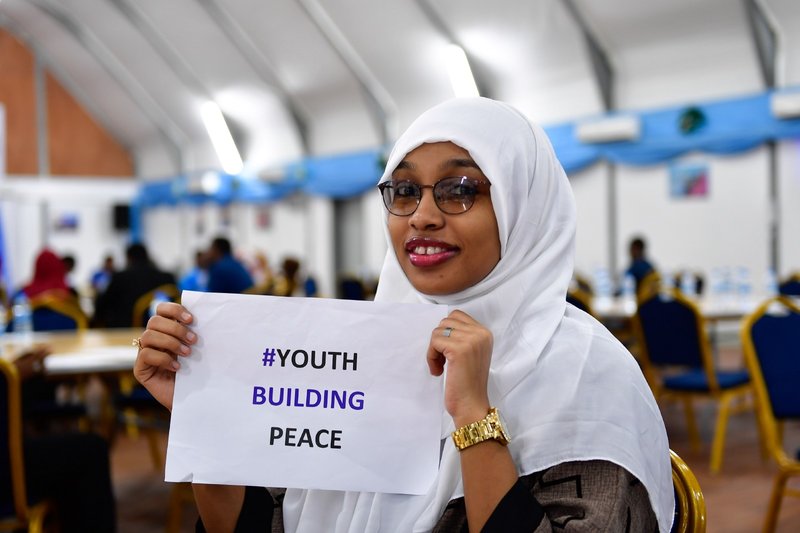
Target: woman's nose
{"x": 428, "y": 215}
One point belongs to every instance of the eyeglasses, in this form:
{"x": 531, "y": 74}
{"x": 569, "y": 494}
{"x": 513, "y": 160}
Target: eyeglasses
{"x": 453, "y": 196}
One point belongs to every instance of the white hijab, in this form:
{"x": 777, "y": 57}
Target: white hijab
{"x": 567, "y": 389}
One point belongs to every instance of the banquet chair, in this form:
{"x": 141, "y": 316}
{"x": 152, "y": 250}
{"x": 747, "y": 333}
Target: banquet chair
{"x": 351, "y": 288}
{"x": 141, "y": 308}
{"x": 16, "y": 512}
{"x": 139, "y": 411}
{"x": 690, "y": 505}
{"x": 677, "y": 361}
{"x": 580, "y": 299}
{"x": 791, "y": 285}
{"x": 770, "y": 337}
{"x": 53, "y": 313}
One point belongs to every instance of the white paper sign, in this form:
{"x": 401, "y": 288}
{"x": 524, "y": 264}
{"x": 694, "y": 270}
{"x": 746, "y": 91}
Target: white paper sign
{"x": 307, "y": 393}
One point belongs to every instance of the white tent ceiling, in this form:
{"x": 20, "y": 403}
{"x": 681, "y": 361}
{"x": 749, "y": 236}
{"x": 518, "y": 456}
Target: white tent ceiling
{"x": 299, "y": 77}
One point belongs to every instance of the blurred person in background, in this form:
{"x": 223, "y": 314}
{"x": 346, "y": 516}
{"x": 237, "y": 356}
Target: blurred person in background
{"x": 263, "y": 278}
{"x": 196, "y": 279}
{"x": 286, "y": 282}
{"x": 640, "y": 266}
{"x": 226, "y": 273}
{"x": 69, "y": 266}
{"x": 114, "y": 307}
{"x": 102, "y": 277}
{"x": 49, "y": 276}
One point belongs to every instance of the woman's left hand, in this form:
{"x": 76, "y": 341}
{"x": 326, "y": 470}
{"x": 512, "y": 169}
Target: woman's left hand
{"x": 466, "y": 346}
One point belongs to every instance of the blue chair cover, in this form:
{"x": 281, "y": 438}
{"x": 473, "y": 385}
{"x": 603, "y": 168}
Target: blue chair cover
{"x": 776, "y": 339}
{"x": 790, "y": 287}
{"x": 671, "y": 333}
{"x": 697, "y": 380}
{"x": 352, "y": 289}
{"x": 49, "y": 320}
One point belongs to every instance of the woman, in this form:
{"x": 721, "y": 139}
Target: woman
{"x": 588, "y": 450}
{"x": 49, "y": 276}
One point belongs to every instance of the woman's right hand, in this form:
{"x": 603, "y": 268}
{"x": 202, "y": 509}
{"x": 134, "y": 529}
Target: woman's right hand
{"x": 167, "y": 336}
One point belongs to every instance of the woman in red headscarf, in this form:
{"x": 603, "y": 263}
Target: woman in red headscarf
{"x": 49, "y": 275}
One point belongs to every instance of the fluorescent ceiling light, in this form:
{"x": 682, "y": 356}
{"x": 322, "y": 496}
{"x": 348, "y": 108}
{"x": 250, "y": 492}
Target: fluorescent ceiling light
{"x": 221, "y": 138}
{"x": 460, "y": 74}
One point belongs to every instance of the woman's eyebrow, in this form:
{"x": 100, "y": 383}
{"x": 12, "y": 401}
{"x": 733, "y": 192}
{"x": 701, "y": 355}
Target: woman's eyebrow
{"x": 456, "y": 162}
{"x": 459, "y": 162}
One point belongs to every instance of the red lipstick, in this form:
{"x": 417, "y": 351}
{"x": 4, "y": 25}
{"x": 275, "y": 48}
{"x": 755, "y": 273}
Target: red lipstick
{"x": 426, "y": 252}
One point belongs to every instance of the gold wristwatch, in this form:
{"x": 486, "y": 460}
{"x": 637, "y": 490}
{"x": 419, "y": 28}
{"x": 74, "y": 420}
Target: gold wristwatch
{"x": 489, "y": 427}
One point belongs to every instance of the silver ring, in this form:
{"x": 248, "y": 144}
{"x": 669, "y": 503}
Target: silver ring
{"x": 447, "y": 332}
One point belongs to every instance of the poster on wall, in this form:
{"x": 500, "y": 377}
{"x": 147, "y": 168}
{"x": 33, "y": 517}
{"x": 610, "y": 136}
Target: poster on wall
{"x": 66, "y": 222}
{"x": 688, "y": 179}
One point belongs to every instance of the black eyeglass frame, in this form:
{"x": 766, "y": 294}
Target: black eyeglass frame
{"x": 419, "y": 188}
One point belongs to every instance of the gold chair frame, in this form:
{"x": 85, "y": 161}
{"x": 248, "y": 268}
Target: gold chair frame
{"x": 650, "y": 285}
{"x": 771, "y": 428}
{"x": 68, "y": 307}
{"x": 143, "y": 302}
{"x": 30, "y": 517}
{"x": 690, "y": 505}
{"x": 130, "y": 416}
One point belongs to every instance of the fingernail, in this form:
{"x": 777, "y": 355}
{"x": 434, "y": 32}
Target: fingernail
{"x": 185, "y": 349}
{"x": 186, "y": 317}
{"x": 190, "y": 336}
{"x": 175, "y": 365}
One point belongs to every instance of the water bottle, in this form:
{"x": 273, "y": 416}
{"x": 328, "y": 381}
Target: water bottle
{"x": 603, "y": 288}
{"x": 22, "y": 318}
{"x": 158, "y": 297}
{"x": 743, "y": 286}
{"x": 629, "y": 293}
{"x": 668, "y": 281}
{"x": 771, "y": 283}
{"x": 688, "y": 284}
{"x": 727, "y": 286}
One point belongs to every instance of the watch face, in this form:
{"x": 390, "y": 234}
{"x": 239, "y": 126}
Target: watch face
{"x": 503, "y": 426}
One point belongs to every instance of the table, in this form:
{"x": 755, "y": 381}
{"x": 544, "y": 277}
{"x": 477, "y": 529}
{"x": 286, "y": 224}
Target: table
{"x": 80, "y": 358}
{"x": 712, "y": 309}
{"x": 91, "y": 351}
{"x": 616, "y": 314}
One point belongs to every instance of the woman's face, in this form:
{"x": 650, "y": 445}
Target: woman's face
{"x": 442, "y": 253}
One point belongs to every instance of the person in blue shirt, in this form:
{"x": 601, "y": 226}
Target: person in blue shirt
{"x": 225, "y": 273}
{"x": 197, "y": 278}
{"x": 102, "y": 277}
{"x": 640, "y": 266}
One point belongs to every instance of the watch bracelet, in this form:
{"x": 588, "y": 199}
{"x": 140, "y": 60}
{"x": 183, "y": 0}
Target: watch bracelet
{"x": 476, "y": 432}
